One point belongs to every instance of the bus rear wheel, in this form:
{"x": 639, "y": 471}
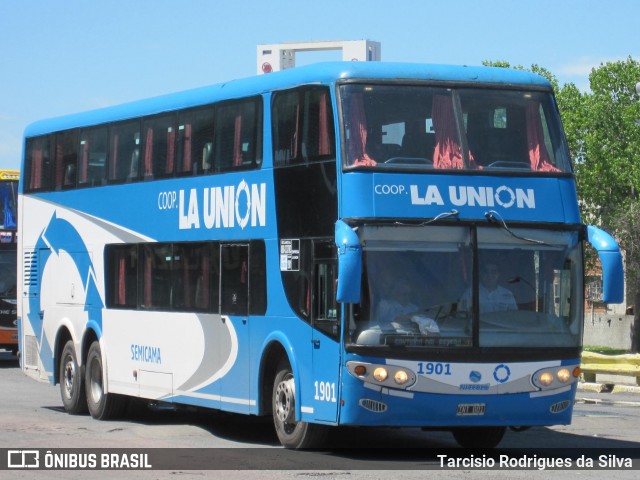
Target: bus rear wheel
{"x": 479, "y": 437}
{"x": 102, "y": 406}
{"x": 71, "y": 381}
{"x": 292, "y": 433}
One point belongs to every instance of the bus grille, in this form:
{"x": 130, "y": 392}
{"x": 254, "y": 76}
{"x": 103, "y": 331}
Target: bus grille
{"x": 30, "y": 351}
{"x": 372, "y": 405}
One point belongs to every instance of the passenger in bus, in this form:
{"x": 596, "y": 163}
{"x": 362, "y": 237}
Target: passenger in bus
{"x": 492, "y": 296}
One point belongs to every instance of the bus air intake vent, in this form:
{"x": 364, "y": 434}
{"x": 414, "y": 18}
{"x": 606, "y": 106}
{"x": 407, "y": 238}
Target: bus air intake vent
{"x": 372, "y": 405}
{"x": 30, "y": 351}
{"x": 30, "y": 272}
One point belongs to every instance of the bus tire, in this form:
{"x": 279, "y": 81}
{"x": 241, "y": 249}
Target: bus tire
{"x": 71, "y": 378}
{"x": 292, "y": 434}
{"x": 479, "y": 437}
{"x": 102, "y": 406}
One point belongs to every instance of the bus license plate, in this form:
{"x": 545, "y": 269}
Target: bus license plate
{"x": 471, "y": 409}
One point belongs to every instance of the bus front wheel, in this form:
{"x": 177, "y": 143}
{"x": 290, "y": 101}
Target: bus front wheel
{"x": 71, "y": 381}
{"x": 102, "y": 406}
{"x": 479, "y": 437}
{"x": 292, "y": 433}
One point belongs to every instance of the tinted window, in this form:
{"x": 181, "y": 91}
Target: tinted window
{"x": 66, "y": 159}
{"x": 38, "y": 164}
{"x": 124, "y": 153}
{"x": 122, "y": 271}
{"x": 93, "y": 156}
{"x": 302, "y": 126}
{"x": 159, "y": 137}
{"x": 237, "y": 139}
{"x": 195, "y": 142}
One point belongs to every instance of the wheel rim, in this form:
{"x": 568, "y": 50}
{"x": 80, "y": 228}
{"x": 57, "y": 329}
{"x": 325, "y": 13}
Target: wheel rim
{"x": 96, "y": 381}
{"x": 285, "y": 400}
{"x": 69, "y": 376}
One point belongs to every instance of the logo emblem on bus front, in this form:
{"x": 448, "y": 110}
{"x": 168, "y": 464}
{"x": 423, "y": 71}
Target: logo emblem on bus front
{"x": 475, "y": 376}
{"x": 502, "y": 373}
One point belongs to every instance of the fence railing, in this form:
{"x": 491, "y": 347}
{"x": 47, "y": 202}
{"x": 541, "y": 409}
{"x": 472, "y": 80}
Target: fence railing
{"x": 595, "y": 363}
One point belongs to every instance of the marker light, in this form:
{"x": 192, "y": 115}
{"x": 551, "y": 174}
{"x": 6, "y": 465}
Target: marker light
{"x": 546, "y": 378}
{"x": 577, "y": 372}
{"x": 380, "y": 374}
{"x": 564, "y": 375}
{"x": 401, "y": 377}
{"x": 360, "y": 370}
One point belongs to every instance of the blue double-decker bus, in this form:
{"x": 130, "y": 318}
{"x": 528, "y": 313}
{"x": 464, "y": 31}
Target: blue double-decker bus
{"x": 362, "y": 244}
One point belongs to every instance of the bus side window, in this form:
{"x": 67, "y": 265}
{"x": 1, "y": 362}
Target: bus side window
{"x": 66, "y": 159}
{"x": 154, "y": 291}
{"x": 124, "y": 153}
{"x": 325, "y": 310}
{"x": 303, "y": 129}
{"x": 195, "y": 132}
{"x": 92, "y": 166}
{"x": 237, "y": 143}
{"x": 325, "y": 306}
{"x": 38, "y": 164}
{"x": 122, "y": 270}
{"x": 234, "y": 276}
{"x": 257, "y": 278}
{"x": 159, "y": 136}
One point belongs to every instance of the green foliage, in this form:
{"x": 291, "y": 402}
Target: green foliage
{"x": 609, "y": 171}
{"x": 605, "y": 350}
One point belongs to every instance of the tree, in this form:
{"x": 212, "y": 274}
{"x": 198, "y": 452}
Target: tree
{"x": 608, "y": 167}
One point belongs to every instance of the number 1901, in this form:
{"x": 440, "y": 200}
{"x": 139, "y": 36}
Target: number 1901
{"x": 325, "y": 391}
{"x": 431, "y": 368}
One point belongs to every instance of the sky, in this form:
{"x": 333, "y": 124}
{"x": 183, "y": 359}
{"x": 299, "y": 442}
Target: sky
{"x": 65, "y": 56}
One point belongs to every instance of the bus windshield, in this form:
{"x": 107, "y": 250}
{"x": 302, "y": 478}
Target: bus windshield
{"x": 428, "y": 127}
{"x": 421, "y": 288}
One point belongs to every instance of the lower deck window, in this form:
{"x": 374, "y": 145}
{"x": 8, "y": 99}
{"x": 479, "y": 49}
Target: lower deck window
{"x": 188, "y": 276}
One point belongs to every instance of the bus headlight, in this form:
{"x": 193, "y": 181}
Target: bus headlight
{"x": 401, "y": 377}
{"x": 564, "y": 375}
{"x": 546, "y": 378}
{"x": 380, "y": 374}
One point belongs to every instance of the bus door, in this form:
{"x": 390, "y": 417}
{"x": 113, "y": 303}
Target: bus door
{"x": 326, "y": 334}
{"x": 234, "y": 309}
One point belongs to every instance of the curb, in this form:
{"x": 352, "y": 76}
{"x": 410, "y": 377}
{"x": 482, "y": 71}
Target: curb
{"x": 607, "y": 388}
{"x": 611, "y": 390}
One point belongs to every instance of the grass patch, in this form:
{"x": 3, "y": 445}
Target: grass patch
{"x": 605, "y": 350}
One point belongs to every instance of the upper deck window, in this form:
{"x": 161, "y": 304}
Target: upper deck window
{"x": 303, "y": 129}
{"x": 421, "y": 127}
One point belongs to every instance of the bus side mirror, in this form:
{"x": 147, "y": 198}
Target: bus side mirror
{"x": 349, "y": 264}
{"x": 611, "y": 260}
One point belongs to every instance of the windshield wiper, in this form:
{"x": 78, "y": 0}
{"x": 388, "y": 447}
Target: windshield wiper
{"x": 494, "y": 217}
{"x": 440, "y": 216}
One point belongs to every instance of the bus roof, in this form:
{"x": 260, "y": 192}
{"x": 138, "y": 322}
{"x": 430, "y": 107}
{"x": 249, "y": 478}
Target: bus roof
{"x": 320, "y": 73}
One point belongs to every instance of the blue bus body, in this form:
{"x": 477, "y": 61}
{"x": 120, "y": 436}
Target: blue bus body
{"x": 298, "y": 253}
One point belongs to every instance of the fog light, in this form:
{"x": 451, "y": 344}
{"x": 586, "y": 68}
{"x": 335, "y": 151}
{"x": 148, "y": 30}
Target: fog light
{"x": 380, "y": 374}
{"x": 564, "y": 375}
{"x": 546, "y": 378}
{"x": 401, "y": 377}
